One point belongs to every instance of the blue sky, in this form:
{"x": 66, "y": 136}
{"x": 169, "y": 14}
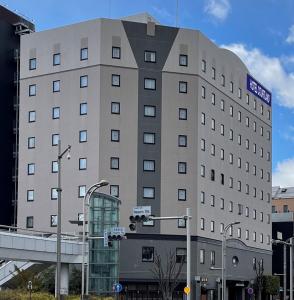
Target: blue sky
{"x": 261, "y": 32}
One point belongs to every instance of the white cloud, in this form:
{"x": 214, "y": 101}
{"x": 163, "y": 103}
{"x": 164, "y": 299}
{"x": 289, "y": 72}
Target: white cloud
{"x": 290, "y": 38}
{"x": 162, "y": 12}
{"x": 283, "y": 175}
{"x": 219, "y": 9}
{"x": 269, "y": 71}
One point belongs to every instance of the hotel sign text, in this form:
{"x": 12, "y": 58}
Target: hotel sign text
{"x": 258, "y": 90}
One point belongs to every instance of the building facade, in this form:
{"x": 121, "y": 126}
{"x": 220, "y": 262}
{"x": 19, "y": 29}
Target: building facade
{"x": 166, "y": 117}
{"x": 282, "y": 199}
{"x": 11, "y": 27}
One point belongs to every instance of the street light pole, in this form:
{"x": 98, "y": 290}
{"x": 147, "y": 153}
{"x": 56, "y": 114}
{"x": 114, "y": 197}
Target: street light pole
{"x": 89, "y": 192}
{"x": 224, "y": 258}
{"x": 291, "y": 268}
{"x": 58, "y": 242}
{"x": 188, "y": 213}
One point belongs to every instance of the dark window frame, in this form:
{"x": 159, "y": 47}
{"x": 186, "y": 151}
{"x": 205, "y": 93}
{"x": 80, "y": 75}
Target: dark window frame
{"x": 34, "y": 146}
{"x": 82, "y": 169}
{"x": 53, "y": 59}
{"x": 30, "y": 63}
{"x": 149, "y": 160}
{"x": 112, "y": 186}
{"x": 149, "y": 187}
{"x": 150, "y": 61}
{"x": 28, "y": 191}
{"x": 81, "y": 104}
{"x": 152, "y": 254}
{"x": 186, "y": 89}
{"x": 112, "y": 158}
{"x": 27, "y": 221}
{"x": 84, "y": 86}
{"x": 149, "y": 89}
{"x": 149, "y": 116}
{"x": 183, "y": 55}
{"x": 113, "y": 48}
{"x": 184, "y": 164}
{"x": 80, "y": 132}
{"x": 53, "y": 86}
{"x": 153, "y": 133}
{"x": 115, "y": 113}
{"x": 186, "y": 112}
{"x": 111, "y": 138}
{"x": 112, "y": 82}
{"x": 180, "y": 190}
{"x": 53, "y": 110}
{"x": 81, "y": 53}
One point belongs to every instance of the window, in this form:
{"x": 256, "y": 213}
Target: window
{"x": 183, "y": 87}
{"x": 239, "y": 93}
{"x": 247, "y": 234}
{"x": 239, "y": 186}
{"x": 203, "y": 118}
{"x": 182, "y": 193}
{"x": 254, "y": 214}
{"x": 261, "y": 130}
{"x": 231, "y": 134}
{"x": 231, "y": 231}
{"x": 54, "y": 194}
{"x": 231, "y": 87}
{"x": 149, "y": 138}
{"x": 247, "y": 144}
{"x": 247, "y": 211}
{"x": 149, "y": 111}
{"x": 149, "y": 84}
{"x": 212, "y": 149}
{"x": 183, "y": 60}
{"x": 261, "y": 237}
{"x": 222, "y": 154}
{"x": 182, "y": 141}
{"x": 254, "y": 192}
{"x": 181, "y": 255}
{"x": 56, "y": 86}
{"x": 150, "y": 56}
{"x": 32, "y": 90}
{"x": 202, "y": 144}
{"x": 203, "y": 65}
{"x": 254, "y": 104}
{"x": 202, "y": 170}
{"x": 261, "y": 109}
{"x": 55, "y": 139}
{"x": 55, "y": 113}
{"x": 212, "y": 200}
{"x": 114, "y": 190}
{"x": 239, "y": 116}
{"x": 30, "y": 195}
{"x": 80, "y": 217}
{"x": 83, "y": 81}
{"x": 239, "y": 139}
{"x": 222, "y": 203}
{"x": 149, "y": 165}
{"x": 239, "y": 162}
{"x": 268, "y": 218}
{"x": 31, "y": 142}
{"x": 212, "y": 175}
{"x": 84, "y": 54}
{"x": 202, "y": 197}
{"x": 56, "y": 59}
{"x": 148, "y": 192}
{"x": 254, "y": 148}
{"x": 247, "y": 98}
{"x": 31, "y": 169}
{"x": 222, "y": 176}
{"x": 268, "y": 135}
{"x": 202, "y": 256}
{"x": 181, "y": 223}
{"x": 222, "y": 129}
{"x": 240, "y": 209}
{"x": 247, "y": 189}
{"x": 182, "y": 114}
{"x": 231, "y": 206}
{"x": 148, "y": 223}
{"x": 213, "y": 124}
{"x": 54, "y": 167}
{"x": 83, "y": 108}
{"x": 147, "y": 254}
{"x": 212, "y": 226}
{"x": 222, "y": 227}
{"x": 223, "y": 80}
{"x": 82, "y": 163}
{"x": 114, "y": 163}
{"x": 247, "y": 121}
{"x": 231, "y": 111}
{"x": 261, "y": 216}
{"x": 116, "y": 52}
{"x": 202, "y": 224}
{"x": 82, "y": 191}
{"x": 222, "y": 103}
{"x": 53, "y": 220}
{"x": 239, "y": 232}
{"x": 268, "y": 156}
{"x": 231, "y": 158}
{"x": 32, "y": 64}
{"x": 182, "y": 167}
{"x": 254, "y": 126}
{"x": 247, "y": 166}
{"x": 261, "y": 152}
{"x": 30, "y": 222}
{"x": 203, "y": 92}
{"x": 115, "y": 135}
{"x": 213, "y": 99}
{"x": 261, "y": 173}
{"x": 115, "y": 108}
{"x": 231, "y": 182}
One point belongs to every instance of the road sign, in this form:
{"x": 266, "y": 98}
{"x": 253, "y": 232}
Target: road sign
{"x": 117, "y": 287}
{"x": 186, "y": 290}
{"x": 250, "y": 291}
{"x": 105, "y": 238}
{"x": 118, "y": 231}
{"x": 142, "y": 210}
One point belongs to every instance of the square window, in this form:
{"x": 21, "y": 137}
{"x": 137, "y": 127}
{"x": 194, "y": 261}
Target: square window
{"x": 181, "y": 255}
{"x": 115, "y": 108}
{"x": 149, "y": 138}
{"x": 115, "y": 135}
{"x": 82, "y": 191}
{"x": 149, "y": 84}
{"x": 114, "y": 190}
{"x": 182, "y": 141}
{"x": 116, "y": 52}
{"x": 183, "y": 87}
{"x": 84, "y": 54}
{"x": 55, "y": 113}
{"x": 83, "y": 108}
{"x": 54, "y": 194}
{"x": 32, "y": 90}
{"x": 150, "y": 56}
{"x": 148, "y": 192}
{"x": 30, "y": 222}
{"x": 56, "y": 59}
{"x": 182, "y": 167}
{"x": 181, "y": 223}
{"x": 30, "y": 195}
{"x": 33, "y": 64}
{"x": 82, "y": 163}
{"x": 56, "y": 86}
{"x": 203, "y": 65}
{"x": 149, "y": 165}
{"x": 31, "y": 142}
{"x": 83, "y": 81}
{"x": 183, "y": 60}
{"x": 149, "y": 111}
{"x": 182, "y": 193}
{"x": 54, "y": 167}
{"x": 31, "y": 169}
{"x": 114, "y": 163}
{"x": 55, "y": 139}
{"x": 53, "y": 220}
{"x": 147, "y": 254}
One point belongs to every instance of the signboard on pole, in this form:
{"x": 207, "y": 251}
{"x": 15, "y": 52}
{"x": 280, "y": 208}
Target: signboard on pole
{"x": 186, "y": 290}
{"x": 142, "y": 210}
{"x": 118, "y": 231}
{"x": 117, "y": 287}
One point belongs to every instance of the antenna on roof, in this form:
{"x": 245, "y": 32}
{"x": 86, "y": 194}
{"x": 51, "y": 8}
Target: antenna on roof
{"x": 177, "y": 13}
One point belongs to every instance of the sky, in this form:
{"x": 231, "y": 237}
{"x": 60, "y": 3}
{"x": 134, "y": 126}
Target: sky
{"x": 260, "y": 32}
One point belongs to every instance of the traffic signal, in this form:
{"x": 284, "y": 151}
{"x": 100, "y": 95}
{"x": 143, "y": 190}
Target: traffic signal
{"x": 139, "y": 218}
{"x": 116, "y": 234}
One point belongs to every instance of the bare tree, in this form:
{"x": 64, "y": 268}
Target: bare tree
{"x": 167, "y": 273}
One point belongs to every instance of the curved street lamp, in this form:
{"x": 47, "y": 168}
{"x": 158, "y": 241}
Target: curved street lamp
{"x": 89, "y": 192}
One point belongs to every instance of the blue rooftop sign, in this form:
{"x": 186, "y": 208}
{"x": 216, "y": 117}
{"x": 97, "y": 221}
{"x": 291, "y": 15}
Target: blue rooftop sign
{"x": 258, "y": 90}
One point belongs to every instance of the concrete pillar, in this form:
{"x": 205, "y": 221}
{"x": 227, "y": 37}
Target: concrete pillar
{"x": 243, "y": 293}
{"x": 198, "y": 291}
{"x": 64, "y": 279}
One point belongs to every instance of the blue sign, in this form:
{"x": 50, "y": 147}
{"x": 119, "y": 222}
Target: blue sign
{"x": 258, "y": 90}
{"x": 117, "y": 287}
{"x": 250, "y": 291}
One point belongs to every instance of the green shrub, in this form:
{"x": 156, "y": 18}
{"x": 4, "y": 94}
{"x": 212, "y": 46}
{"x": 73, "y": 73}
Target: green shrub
{"x": 21, "y": 295}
